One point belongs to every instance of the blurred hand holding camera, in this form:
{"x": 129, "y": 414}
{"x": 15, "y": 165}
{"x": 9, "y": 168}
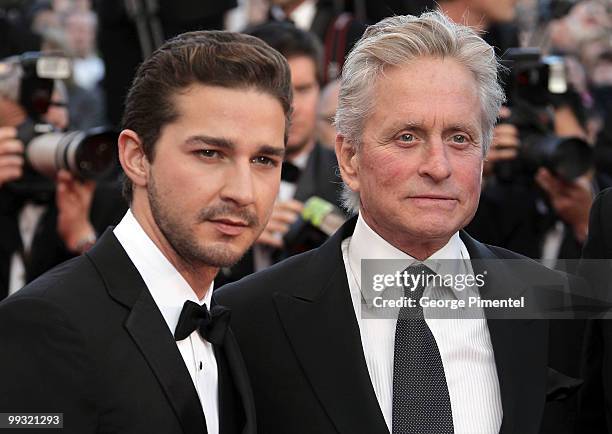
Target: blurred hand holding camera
{"x": 73, "y": 199}
{"x": 11, "y": 155}
{"x": 283, "y": 215}
{"x": 505, "y": 144}
{"x": 571, "y": 199}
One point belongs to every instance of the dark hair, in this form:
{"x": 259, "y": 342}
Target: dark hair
{"x": 215, "y": 58}
{"x": 291, "y": 41}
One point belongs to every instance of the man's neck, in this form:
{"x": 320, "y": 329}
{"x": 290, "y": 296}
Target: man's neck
{"x": 418, "y": 248}
{"x": 198, "y": 276}
{"x": 459, "y": 12}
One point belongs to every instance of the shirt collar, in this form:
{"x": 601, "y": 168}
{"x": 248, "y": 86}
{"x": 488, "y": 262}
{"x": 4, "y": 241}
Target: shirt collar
{"x": 304, "y": 14}
{"x": 167, "y": 287}
{"x": 301, "y": 160}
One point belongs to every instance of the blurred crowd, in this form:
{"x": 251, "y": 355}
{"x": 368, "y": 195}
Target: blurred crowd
{"x": 106, "y": 40}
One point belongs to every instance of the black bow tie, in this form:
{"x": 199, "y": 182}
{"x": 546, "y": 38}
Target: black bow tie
{"x": 290, "y": 172}
{"x": 211, "y": 325}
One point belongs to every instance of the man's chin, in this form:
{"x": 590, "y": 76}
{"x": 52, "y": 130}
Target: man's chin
{"x": 222, "y": 256}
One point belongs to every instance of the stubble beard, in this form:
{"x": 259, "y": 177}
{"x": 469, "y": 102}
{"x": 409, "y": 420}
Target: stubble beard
{"x": 195, "y": 253}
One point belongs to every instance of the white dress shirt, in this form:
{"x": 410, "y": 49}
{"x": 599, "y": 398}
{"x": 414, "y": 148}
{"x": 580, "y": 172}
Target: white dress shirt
{"x": 88, "y": 72}
{"x": 302, "y": 16}
{"x": 170, "y": 291}
{"x": 28, "y": 220}
{"x": 464, "y": 344}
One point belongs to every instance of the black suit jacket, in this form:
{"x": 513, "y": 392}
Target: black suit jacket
{"x": 314, "y": 377}
{"x": 87, "y": 339}
{"x": 595, "y": 401}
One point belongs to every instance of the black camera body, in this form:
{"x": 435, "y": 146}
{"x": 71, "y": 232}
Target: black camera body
{"x": 533, "y": 85}
{"x": 29, "y": 80}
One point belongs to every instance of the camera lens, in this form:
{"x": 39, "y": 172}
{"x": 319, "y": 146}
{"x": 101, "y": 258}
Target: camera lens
{"x": 86, "y": 154}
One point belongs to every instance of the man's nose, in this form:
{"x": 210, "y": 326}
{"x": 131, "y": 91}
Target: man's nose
{"x": 238, "y": 185}
{"x": 434, "y": 161}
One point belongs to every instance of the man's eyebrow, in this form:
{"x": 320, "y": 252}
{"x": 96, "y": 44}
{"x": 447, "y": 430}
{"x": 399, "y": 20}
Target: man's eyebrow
{"x": 406, "y": 125}
{"x": 470, "y": 129}
{"x": 271, "y": 151}
{"x": 396, "y": 127}
{"x": 418, "y": 126}
{"x": 221, "y": 142}
{"x": 210, "y": 140}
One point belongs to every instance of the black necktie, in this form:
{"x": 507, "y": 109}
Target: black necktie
{"x": 211, "y": 325}
{"x": 290, "y": 172}
{"x": 421, "y": 403}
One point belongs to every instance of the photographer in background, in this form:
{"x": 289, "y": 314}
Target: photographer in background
{"x": 87, "y": 104}
{"x": 42, "y": 221}
{"x": 539, "y": 184}
{"x": 540, "y": 176}
{"x": 493, "y": 18}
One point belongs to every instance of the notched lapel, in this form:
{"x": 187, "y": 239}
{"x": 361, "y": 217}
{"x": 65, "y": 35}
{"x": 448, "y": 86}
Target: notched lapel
{"x": 325, "y": 336}
{"x": 239, "y": 377}
{"x": 521, "y": 353}
{"x": 150, "y": 333}
{"x": 146, "y": 325}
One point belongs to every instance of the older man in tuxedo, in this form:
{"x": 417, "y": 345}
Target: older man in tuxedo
{"x": 122, "y": 338}
{"x": 418, "y": 102}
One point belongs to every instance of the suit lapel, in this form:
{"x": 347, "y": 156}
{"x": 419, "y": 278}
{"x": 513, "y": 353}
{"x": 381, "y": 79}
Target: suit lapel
{"x": 146, "y": 326}
{"x": 519, "y": 345}
{"x": 235, "y": 376}
{"x": 320, "y": 322}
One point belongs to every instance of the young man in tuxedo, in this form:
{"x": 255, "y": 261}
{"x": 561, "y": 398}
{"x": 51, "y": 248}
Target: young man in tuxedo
{"x": 122, "y": 339}
{"x": 418, "y": 102}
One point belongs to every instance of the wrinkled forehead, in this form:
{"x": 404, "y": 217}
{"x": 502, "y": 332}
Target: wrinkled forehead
{"x": 433, "y": 87}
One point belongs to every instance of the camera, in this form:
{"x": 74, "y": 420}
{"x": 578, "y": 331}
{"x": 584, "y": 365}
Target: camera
{"x": 317, "y": 222}
{"x": 534, "y": 84}
{"x": 28, "y": 79}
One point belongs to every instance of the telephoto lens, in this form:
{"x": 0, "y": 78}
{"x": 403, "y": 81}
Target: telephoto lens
{"x": 86, "y": 154}
{"x": 90, "y": 154}
{"x": 566, "y": 157}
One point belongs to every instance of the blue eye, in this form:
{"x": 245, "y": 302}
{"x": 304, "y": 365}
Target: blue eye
{"x": 406, "y": 137}
{"x": 458, "y": 138}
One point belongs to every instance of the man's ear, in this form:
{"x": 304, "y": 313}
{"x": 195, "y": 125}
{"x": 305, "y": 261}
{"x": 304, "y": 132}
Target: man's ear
{"x": 132, "y": 157}
{"x": 348, "y": 161}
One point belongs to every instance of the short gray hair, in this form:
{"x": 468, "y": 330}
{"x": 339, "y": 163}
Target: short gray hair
{"x": 397, "y": 41}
